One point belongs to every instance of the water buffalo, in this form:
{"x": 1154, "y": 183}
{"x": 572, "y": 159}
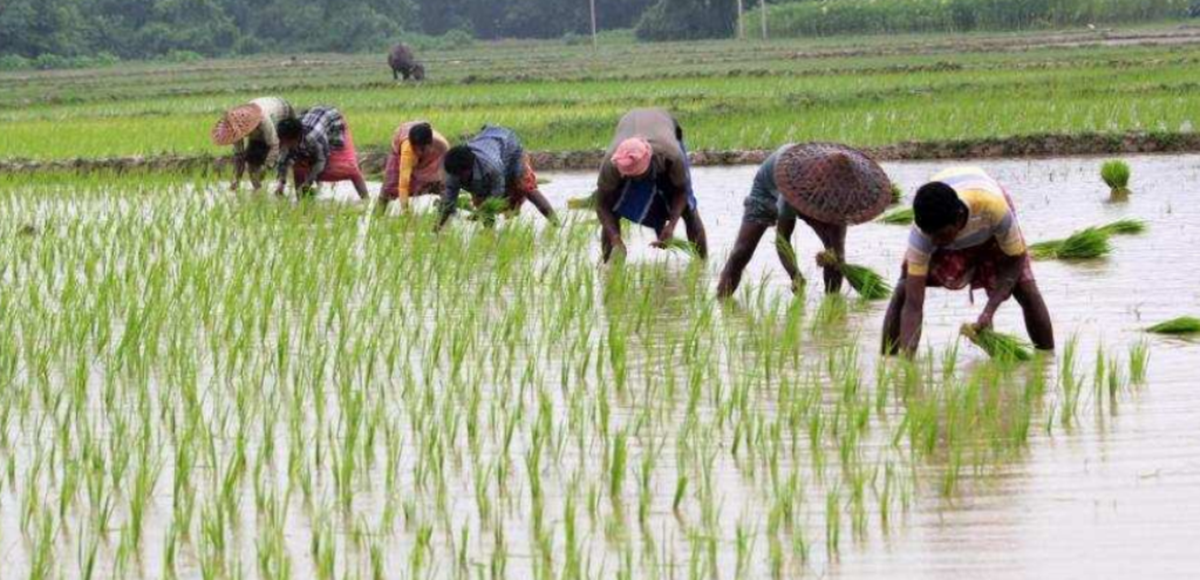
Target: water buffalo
{"x": 405, "y": 64}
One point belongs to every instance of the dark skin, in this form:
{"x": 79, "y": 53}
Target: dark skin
{"x": 906, "y": 313}
{"x": 241, "y": 165}
{"x": 610, "y": 225}
{"x": 832, "y": 236}
{"x": 535, "y": 197}
{"x": 384, "y": 199}
{"x": 360, "y": 184}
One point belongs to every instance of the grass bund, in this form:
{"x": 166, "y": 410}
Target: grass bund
{"x": 202, "y": 384}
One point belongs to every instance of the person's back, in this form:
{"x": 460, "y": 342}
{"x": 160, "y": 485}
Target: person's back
{"x": 498, "y": 147}
{"x": 654, "y": 125}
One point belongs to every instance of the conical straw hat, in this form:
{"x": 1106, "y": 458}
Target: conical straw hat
{"x": 237, "y": 124}
{"x": 833, "y": 183}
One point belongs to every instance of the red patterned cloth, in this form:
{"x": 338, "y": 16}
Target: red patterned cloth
{"x": 972, "y": 267}
{"x": 342, "y": 164}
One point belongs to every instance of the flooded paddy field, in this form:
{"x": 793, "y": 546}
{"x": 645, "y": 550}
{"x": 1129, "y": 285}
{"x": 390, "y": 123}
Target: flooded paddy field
{"x": 195, "y": 384}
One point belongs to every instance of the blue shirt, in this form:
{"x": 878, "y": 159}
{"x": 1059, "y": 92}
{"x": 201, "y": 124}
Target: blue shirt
{"x": 498, "y": 154}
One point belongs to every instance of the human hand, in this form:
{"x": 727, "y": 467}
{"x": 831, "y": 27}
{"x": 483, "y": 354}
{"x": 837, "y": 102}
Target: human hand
{"x": 799, "y": 283}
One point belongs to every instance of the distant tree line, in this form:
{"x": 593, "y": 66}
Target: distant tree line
{"x": 49, "y": 33}
{"x": 130, "y": 29}
{"x": 799, "y": 18}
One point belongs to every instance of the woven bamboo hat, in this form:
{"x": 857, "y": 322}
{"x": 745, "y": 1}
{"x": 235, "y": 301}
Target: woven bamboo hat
{"x": 237, "y": 123}
{"x": 833, "y": 183}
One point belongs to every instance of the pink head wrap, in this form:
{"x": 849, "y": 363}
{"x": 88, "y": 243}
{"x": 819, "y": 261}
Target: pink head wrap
{"x": 632, "y": 157}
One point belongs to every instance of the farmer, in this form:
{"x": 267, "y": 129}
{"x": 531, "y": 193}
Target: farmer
{"x": 493, "y": 164}
{"x": 414, "y": 166}
{"x": 318, "y": 147}
{"x": 828, "y": 186}
{"x": 250, "y": 129}
{"x": 646, "y": 178}
{"x": 966, "y": 234}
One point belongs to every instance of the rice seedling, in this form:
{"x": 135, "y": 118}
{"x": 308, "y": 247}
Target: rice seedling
{"x": 1184, "y": 325}
{"x": 869, "y": 284}
{"x": 998, "y": 345}
{"x": 586, "y": 203}
{"x": 897, "y": 194}
{"x": 899, "y": 217}
{"x": 1126, "y": 227}
{"x": 1115, "y": 174}
{"x": 683, "y": 247}
{"x": 1087, "y": 244}
{"x": 1139, "y": 361}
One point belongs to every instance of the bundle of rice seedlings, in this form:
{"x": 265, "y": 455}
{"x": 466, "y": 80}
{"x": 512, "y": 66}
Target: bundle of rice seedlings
{"x": 582, "y": 203}
{"x": 998, "y": 345}
{"x": 901, "y": 217}
{"x": 682, "y": 246}
{"x": 865, "y": 281}
{"x": 897, "y": 194}
{"x": 1124, "y": 228}
{"x": 491, "y": 209}
{"x": 1116, "y": 174}
{"x": 1087, "y": 244}
{"x": 1178, "y": 326}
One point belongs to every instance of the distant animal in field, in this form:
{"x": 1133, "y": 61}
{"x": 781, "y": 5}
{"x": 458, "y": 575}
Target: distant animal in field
{"x": 405, "y": 64}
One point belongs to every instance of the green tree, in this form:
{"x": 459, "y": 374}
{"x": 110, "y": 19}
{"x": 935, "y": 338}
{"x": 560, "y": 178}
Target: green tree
{"x": 688, "y": 20}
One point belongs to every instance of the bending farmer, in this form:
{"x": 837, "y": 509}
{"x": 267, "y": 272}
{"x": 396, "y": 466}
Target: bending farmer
{"x": 646, "y": 178}
{"x": 414, "y": 166}
{"x": 493, "y": 164}
{"x": 828, "y": 186}
{"x": 318, "y": 148}
{"x": 250, "y": 129}
{"x": 966, "y": 234}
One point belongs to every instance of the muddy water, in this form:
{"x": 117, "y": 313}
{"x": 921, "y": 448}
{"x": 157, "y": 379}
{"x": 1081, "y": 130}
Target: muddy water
{"x": 1117, "y": 497}
{"x": 1114, "y": 497}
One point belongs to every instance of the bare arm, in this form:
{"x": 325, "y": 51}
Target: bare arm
{"x": 239, "y": 164}
{"x": 610, "y": 227}
{"x": 449, "y": 201}
{"x": 913, "y": 315}
{"x": 542, "y": 204}
{"x": 787, "y": 256}
{"x": 675, "y": 212}
{"x": 1007, "y": 274}
{"x": 607, "y": 188}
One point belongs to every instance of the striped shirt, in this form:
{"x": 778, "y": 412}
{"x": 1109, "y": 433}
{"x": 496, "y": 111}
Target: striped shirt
{"x": 990, "y": 217}
{"x": 324, "y": 131}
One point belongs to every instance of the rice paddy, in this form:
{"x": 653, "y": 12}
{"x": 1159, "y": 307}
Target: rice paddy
{"x": 199, "y": 384}
{"x": 729, "y": 95}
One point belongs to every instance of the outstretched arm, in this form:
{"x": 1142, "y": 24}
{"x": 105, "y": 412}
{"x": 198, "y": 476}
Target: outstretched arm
{"x": 610, "y": 227}
{"x": 913, "y": 316}
{"x": 787, "y": 255}
{"x": 239, "y": 164}
{"x": 542, "y": 204}
{"x": 1008, "y": 272}
{"x": 449, "y": 202}
{"x": 675, "y": 212}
